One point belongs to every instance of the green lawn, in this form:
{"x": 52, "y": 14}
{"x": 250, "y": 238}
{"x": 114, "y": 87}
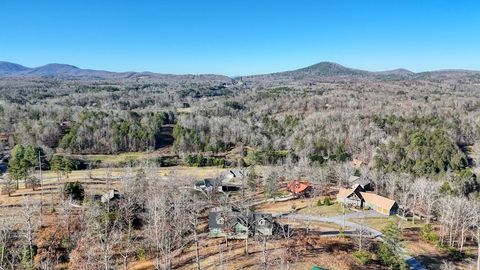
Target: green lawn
{"x": 379, "y": 223}
{"x": 113, "y": 159}
{"x": 326, "y": 211}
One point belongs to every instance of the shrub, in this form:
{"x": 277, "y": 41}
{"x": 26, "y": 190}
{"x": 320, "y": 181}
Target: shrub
{"x": 201, "y": 161}
{"x": 74, "y": 190}
{"x": 141, "y": 254}
{"x": 27, "y": 256}
{"x": 388, "y": 250}
{"x": 327, "y": 201}
{"x": 363, "y": 256}
{"x": 456, "y": 254}
{"x": 319, "y": 203}
{"x": 429, "y": 235}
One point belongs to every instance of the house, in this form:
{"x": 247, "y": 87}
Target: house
{"x": 358, "y": 197}
{"x": 262, "y": 224}
{"x": 235, "y": 175}
{"x": 351, "y": 196}
{"x": 299, "y": 188}
{"x": 361, "y": 181}
{"x": 227, "y": 224}
{"x": 208, "y": 185}
{"x": 237, "y": 225}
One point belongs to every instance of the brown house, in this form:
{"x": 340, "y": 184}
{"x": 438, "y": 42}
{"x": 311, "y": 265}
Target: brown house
{"x": 357, "y": 197}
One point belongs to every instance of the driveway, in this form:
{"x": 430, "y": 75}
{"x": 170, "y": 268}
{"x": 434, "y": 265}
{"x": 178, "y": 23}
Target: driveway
{"x": 342, "y": 220}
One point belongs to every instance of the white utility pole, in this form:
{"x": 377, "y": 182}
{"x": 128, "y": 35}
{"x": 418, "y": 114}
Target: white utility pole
{"x": 41, "y": 186}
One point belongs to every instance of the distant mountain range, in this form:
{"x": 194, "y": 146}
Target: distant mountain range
{"x": 320, "y": 70}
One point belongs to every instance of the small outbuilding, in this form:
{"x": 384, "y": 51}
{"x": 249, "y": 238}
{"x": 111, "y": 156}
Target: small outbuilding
{"x": 110, "y": 195}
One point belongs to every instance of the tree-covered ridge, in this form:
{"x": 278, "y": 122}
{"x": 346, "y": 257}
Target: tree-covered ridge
{"x": 190, "y": 141}
{"x": 422, "y": 152}
{"x": 109, "y": 132}
{"x": 462, "y": 132}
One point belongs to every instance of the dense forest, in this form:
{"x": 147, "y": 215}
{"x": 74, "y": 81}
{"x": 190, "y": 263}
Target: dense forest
{"x": 416, "y": 136}
{"x": 418, "y": 124}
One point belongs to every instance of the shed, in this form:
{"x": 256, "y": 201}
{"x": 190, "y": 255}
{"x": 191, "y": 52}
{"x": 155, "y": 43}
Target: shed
{"x": 110, "y": 195}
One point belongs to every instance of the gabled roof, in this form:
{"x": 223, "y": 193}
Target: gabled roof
{"x": 378, "y": 200}
{"x": 353, "y": 178}
{"x": 356, "y": 180}
{"x": 345, "y": 192}
{"x": 297, "y": 186}
{"x": 110, "y": 195}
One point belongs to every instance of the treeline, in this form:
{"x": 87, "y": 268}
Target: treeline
{"x": 423, "y": 152}
{"x": 104, "y": 132}
{"x": 190, "y": 141}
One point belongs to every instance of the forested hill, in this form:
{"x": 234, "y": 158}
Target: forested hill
{"x": 323, "y": 70}
{"x": 396, "y": 121}
{"x": 64, "y": 71}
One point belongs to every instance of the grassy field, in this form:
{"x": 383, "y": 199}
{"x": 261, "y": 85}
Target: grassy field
{"x": 378, "y": 223}
{"x": 116, "y": 173}
{"x": 324, "y": 210}
{"x": 313, "y": 225}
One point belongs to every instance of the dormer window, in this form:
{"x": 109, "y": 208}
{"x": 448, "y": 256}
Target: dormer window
{"x": 261, "y": 222}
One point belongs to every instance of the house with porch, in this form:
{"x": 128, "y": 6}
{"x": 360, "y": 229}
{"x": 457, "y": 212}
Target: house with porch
{"x": 357, "y": 197}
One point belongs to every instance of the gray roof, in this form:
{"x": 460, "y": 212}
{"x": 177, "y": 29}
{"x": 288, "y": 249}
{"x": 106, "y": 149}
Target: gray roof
{"x": 353, "y": 178}
{"x": 263, "y": 220}
{"x": 356, "y": 180}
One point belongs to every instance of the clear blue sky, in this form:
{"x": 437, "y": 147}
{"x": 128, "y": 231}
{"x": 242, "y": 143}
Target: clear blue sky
{"x": 239, "y": 37}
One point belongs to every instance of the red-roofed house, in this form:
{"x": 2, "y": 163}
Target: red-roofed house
{"x": 297, "y": 187}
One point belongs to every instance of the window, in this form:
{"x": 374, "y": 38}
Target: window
{"x": 261, "y": 222}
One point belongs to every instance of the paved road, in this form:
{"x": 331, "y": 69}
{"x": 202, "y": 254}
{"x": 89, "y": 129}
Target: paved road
{"x": 339, "y": 220}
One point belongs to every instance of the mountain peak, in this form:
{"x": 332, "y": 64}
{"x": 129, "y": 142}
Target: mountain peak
{"x": 330, "y": 69}
{"x": 10, "y": 68}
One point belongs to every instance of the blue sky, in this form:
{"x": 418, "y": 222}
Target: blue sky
{"x": 239, "y": 37}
